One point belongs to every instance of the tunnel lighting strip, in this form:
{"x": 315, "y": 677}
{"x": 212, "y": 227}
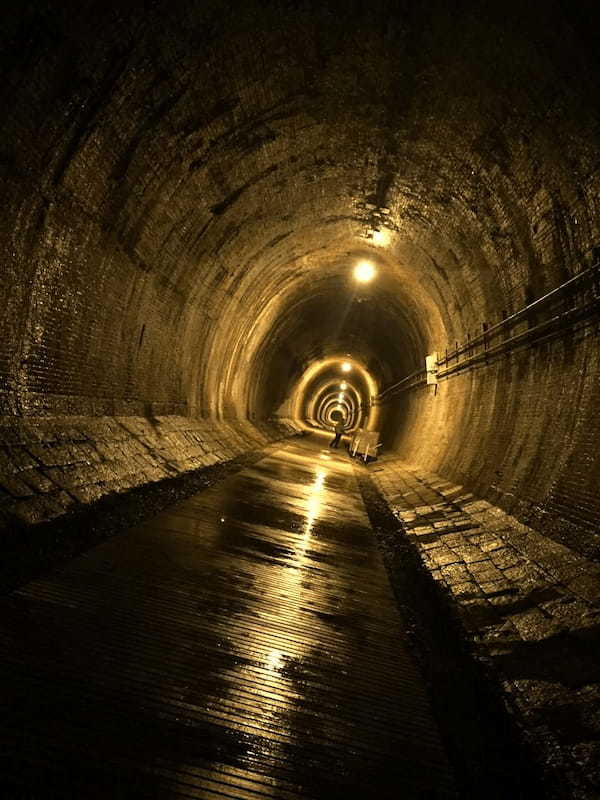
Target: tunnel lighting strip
{"x": 586, "y": 279}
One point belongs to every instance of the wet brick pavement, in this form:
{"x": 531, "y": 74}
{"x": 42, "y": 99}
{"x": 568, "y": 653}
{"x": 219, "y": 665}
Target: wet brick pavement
{"x": 530, "y": 606}
{"x": 244, "y": 643}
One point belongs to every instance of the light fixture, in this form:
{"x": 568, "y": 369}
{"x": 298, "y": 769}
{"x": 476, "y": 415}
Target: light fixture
{"x": 364, "y": 271}
{"x": 380, "y": 238}
{"x": 343, "y": 386}
{"x": 346, "y": 366}
{"x": 340, "y": 397}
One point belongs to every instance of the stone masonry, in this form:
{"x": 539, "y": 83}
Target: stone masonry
{"x": 529, "y": 605}
{"x": 49, "y": 466}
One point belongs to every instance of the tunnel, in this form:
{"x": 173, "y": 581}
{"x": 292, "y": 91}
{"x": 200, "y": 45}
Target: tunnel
{"x": 229, "y": 226}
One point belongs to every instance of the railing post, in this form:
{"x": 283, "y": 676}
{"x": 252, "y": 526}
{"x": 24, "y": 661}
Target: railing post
{"x": 596, "y": 272}
{"x": 484, "y": 326}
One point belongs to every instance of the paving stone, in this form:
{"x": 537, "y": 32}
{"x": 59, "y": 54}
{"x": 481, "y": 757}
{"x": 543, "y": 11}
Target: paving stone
{"x": 20, "y": 458}
{"x": 456, "y": 573}
{"x": 523, "y": 574}
{"x": 470, "y": 554}
{"x": 529, "y": 601}
{"x": 477, "y": 615}
{"x": 467, "y": 589}
{"x": 33, "y": 511}
{"x": 37, "y": 480}
{"x": 586, "y": 586}
{"x": 494, "y": 588}
{"x": 454, "y": 540}
{"x": 504, "y": 557}
{"x": 16, "y": 486}
{"x": 485, "y": 572}
{"x": 88, "y": 494}
{"x": 534, "y": 625}
{"x": 441, "y": 556}
{"x": 502, "y": 594}
{"x": 569, "y": 612}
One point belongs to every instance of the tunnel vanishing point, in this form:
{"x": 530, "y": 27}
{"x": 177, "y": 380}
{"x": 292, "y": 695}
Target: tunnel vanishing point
{"x": 199, "y": 598}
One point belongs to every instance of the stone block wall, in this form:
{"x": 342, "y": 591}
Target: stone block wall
{"x": 176, "y": 238}
{"x": 50, "y": 466}
{"x": 521, "y": 432}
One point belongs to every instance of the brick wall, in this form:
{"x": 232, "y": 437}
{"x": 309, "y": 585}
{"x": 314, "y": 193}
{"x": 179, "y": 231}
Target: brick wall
{"x": 522, "y": 432}
{"x": 50, "y": 466}
{"x": 174, "y": 184}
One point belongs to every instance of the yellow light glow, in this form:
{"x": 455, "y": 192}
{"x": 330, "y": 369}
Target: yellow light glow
{"x": 340, "y": 396}
{"x": 275, "y": 660}
{"x": 302, "y": 406}
{"x": 315, "y": 502}
{"x": 380, "y": 238}
{"x": 364, "y": 271}
{"x": 346, "y": 366}
{"x": 343, "y": 386}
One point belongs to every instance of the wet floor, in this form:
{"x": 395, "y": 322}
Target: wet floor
{"x": 242, "y": 644}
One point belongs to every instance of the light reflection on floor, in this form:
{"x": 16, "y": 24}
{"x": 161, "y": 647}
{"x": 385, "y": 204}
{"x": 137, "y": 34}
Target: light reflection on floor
{"x": 246, "y": 640}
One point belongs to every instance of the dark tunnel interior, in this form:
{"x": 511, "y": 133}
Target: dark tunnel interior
{"x": 185, "y": 195}
{"x": 187, "y": 190}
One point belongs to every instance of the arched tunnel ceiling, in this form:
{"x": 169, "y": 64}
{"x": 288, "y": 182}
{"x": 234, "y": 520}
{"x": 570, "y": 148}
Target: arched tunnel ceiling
{"x": 345, "y": 405}
{"x": 191, "y": 180}
{"x": 379, "y": 325}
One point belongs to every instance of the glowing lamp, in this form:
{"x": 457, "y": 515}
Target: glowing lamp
{"x": 380, "y": 238}
{"x": 364, "y": 271}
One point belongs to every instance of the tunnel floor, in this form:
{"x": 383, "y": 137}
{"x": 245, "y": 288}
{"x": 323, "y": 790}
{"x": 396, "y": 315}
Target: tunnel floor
{"x": 244, "y": 643}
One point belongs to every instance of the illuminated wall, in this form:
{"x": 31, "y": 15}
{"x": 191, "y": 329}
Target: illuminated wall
{"x": 182, "y": 213}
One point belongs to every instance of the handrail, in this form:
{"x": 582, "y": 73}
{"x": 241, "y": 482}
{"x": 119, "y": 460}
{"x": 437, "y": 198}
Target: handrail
{"x": 517, "y": 316}
{"x": 514, "y": 341}
{"x": 572, "y": 285}
{"x": 400, "y": 382}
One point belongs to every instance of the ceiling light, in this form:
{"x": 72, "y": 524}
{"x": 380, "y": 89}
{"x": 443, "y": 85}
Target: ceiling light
{"x": 346, "y": 366}
{"x": 380, "y": 238}
{"x": 364, "y": 271}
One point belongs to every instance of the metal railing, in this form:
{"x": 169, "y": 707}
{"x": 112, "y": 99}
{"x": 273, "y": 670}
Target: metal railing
{"x": 415, "y": 378}
{"x": 572, "y": 304}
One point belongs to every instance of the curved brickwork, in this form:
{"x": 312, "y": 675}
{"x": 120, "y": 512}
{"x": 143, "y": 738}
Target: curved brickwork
{"x": 186, "y": 188}
{"x": 56, "y": 465}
